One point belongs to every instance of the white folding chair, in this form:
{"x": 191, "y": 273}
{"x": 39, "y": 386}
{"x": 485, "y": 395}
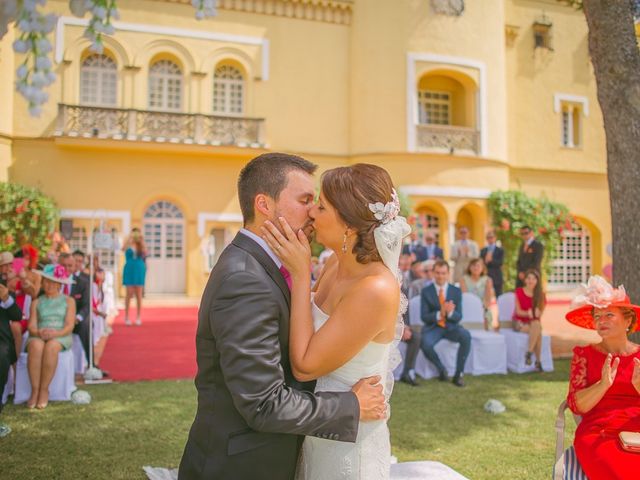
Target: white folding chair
{"x": 488, "y": 349}
{"x": 566, "y": 466}
{"x": 61, "y": 387}
{"x": 8, "y": 387}
{"x": 517, "y": 342}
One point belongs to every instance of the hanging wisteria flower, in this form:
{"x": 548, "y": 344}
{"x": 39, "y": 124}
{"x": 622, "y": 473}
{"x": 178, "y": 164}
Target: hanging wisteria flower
{"x": 35, "y": 72}
{"x": 204, "y": 8}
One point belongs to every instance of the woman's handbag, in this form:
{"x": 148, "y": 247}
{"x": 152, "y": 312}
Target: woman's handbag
{"x": 630, "y": 441}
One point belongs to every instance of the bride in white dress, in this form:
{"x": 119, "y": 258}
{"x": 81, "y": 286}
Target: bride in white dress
{"x": 351, "y": 328}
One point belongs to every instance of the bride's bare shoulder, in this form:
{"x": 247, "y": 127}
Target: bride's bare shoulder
{"x": 380, "y": 282}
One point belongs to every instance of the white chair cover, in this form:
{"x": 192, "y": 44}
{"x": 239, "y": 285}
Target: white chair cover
{"x": 61, "y": 387}
{"x": 423, "y": 471}
{"x": 517, "y": 345}
{"x": 8, "y": 387}
{"x": 506, "y": 306}
{"x": 79, "y": 359}
{"x": 472, "y": 311}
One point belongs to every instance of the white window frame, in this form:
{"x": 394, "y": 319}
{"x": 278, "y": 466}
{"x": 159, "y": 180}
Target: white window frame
{"x": 227, "y": 77}
{"x": 423, "y": 102}
{"x": 564, "y": 264}
{"x": 482, "y": 119}
{"x": 163, "y": 78}
{"x": 105, "y": 70}
{"x": 565, "y": 105}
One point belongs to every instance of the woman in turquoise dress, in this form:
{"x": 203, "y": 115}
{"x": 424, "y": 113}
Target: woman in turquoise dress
{"x": 134, "y": 273}
{"x": 477, "y": 282}
{"x": 50, "y": 325}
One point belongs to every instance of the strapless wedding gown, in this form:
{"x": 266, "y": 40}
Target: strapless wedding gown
{"x": 369, "y": 458}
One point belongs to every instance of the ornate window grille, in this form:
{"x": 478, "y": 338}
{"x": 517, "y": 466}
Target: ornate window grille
{"x": 428, "y": 223}
{"x": 78, "y": 240}
{"x": 434, "y": 107}
{"x": 99, "y": 81}
{"x": 228, "y": 90}
{"x": 572, "y": 264}
{"x": 163, "y": 231}
{"x": 165, "y": 86}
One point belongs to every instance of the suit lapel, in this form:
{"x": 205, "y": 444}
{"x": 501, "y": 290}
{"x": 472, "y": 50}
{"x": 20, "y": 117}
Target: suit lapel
{"x": 257, "y": 252}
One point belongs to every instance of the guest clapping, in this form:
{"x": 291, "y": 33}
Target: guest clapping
{"x": 477, "y": 282}
{"x": 530, "y": 304}
{"x": 441, "y": 314}
{"x": 604, "y": 385}
{"x": 50, "y": 325}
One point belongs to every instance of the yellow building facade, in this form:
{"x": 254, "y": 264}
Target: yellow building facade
{"x": 454, "y": 103}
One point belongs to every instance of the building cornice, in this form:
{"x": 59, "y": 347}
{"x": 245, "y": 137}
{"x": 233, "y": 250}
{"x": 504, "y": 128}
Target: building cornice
{"x": 327, "y": 11}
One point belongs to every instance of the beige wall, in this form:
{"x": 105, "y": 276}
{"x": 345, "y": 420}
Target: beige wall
{"x": 533, "y": 77}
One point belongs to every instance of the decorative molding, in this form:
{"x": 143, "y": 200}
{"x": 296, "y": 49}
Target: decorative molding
{"x": 510, "y": 34}
{"x": 453, "y": 8}
{"x": 204, "y": 217}
{"x": 412, "y": 114}
{"x": 558, "y": 98}
{"x": 455, "y": 192}
{"x": 169, "y": 31}
{"x": 122, "y": 215}
{"x": 328, "y": 11}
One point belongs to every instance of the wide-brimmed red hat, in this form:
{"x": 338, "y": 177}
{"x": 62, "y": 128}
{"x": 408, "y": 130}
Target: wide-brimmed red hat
{"x": 598, "y": 293}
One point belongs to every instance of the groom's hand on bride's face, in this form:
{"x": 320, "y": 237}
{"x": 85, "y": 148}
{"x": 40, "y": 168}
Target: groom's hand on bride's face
{"x": 370, "y": 396}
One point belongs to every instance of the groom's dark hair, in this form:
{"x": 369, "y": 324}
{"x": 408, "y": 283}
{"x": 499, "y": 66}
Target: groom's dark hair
{"x": 267, "y": 174}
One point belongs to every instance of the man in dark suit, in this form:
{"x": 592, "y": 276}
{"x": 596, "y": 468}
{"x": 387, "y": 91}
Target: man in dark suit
{"x": 79, "y": 292}
{"x": 529, "y": 256}
{"x": 441, "y": 312}
{"x": 9, "y": 312}
{"x": 415, "y": 248}
{"x": 434, "y": 252}
{"x": 252, "y": 413}
{"x": 493, "y": 257}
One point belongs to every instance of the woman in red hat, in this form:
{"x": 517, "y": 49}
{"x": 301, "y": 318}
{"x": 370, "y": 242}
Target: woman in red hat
{"x": 604, "y": 387}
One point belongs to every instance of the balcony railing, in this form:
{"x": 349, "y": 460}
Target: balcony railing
{"x": 448, "y": 138}
{"x": 148, "y": 125}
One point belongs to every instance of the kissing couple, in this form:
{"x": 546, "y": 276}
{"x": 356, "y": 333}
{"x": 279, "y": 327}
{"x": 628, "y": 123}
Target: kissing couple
{"x": 294, "y": 382}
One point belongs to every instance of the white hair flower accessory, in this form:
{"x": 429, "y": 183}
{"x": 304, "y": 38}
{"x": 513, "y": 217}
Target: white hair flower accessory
{"x": 598, "y": 293}
{"x": 384, "y": 213}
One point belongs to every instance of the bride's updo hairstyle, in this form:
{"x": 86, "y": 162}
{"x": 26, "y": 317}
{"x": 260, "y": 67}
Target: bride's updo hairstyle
{"x": 350, "y": 190}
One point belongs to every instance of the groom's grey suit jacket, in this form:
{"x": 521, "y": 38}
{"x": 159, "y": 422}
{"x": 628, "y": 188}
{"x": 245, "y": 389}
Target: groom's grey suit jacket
{"x": 251, "y": 410}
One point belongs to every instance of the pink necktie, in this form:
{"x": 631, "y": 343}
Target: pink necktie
{"x": 286, "y": 275}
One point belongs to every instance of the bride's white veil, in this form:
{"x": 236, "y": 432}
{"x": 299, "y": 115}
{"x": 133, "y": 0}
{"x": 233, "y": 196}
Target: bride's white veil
{"x": 388, "y": 238}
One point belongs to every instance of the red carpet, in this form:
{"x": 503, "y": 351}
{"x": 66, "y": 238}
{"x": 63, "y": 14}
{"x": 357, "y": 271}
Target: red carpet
{"x": 163, "y": 347}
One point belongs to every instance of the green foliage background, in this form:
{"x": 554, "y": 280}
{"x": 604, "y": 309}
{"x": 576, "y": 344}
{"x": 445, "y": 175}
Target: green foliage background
{"x": 511, "y": 210}
{"x": 26, "y": 216}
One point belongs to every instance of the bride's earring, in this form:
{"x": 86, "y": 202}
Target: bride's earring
{"x": 344, "y": 243}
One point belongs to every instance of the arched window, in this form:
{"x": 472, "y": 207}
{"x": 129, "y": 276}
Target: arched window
{"x": 427, "y": 221}
{"x": 572, "y": 263}
{"x": 99, "y": 81}
{"x": 228, "y": 90}
{"x": 165, "y": 86}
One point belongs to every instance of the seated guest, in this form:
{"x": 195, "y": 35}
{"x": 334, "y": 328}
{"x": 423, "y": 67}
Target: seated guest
{"x": 412, "y": 333}
{"x": 50, "y": 325}
{"x": 604, "y": 384}
{"x": 415, "y": 248}
{"x": 530, "y": 303}
{"x": 26, "y": 286}
{"x": 477, "y": 282}
{"x": 9, "y": 314}
{"x": 425, "y": 279}
{"x": 434, "y": 252}
{"x": 441, "y": 312}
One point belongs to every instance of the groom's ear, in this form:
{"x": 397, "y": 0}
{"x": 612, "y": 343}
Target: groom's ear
{"x": 264, "y": 205}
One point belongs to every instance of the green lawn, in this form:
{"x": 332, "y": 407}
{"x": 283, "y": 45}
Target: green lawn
{"x": 135, "y": 424}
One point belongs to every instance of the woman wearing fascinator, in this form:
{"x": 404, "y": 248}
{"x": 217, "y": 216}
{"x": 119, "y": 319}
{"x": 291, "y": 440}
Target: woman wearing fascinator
{"x": 349, "y": 326}
{"x": 604, "y": 385}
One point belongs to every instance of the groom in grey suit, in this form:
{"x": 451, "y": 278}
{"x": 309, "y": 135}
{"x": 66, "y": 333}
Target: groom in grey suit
{"x": 252, "y": 413}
